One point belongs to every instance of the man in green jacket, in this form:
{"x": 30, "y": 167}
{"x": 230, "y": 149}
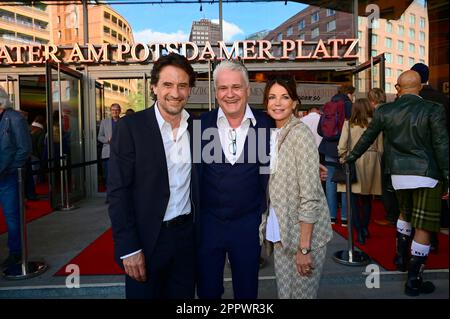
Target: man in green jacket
{"x": 416, "y": 152}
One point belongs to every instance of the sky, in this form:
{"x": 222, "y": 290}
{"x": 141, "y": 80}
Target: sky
{"x": 172, "y": 22}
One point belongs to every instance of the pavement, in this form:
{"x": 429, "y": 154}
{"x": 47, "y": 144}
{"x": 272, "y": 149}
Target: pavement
{"x": 60, "y": 236}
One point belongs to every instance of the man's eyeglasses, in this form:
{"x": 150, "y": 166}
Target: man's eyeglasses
{"x": 232, "y": 148}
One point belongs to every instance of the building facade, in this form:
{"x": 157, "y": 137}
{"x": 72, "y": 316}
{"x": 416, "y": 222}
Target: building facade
{"x": 203, "y": 31}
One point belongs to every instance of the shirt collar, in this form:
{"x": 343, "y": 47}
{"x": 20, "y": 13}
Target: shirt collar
{"x": 162, "y": 121}
{"x": 247, "y": 115}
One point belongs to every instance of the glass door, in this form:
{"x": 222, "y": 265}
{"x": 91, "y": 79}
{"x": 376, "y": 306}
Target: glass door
{"x": 65, "y": 144}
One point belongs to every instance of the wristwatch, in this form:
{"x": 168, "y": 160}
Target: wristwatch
{"x": 305, "y": 251}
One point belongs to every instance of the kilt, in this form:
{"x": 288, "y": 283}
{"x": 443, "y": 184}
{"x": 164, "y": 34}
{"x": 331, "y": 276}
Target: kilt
{"x": 421, "y": 207}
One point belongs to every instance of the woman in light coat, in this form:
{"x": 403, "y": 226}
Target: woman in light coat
{"x": 368, "y": 167}
{"x": 298, "y": 222}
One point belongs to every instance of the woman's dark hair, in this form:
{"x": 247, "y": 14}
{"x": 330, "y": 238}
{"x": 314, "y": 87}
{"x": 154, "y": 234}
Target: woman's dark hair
{"x": 175, "y": 60}
{"x": 361, "y": 112}
{"x": 288, "y": 82}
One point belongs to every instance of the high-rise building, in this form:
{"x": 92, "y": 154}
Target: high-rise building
{"x": 257, "y": 35}
{"x": 203, "y": 31}
{"x": 25, "y": 24}
{"x": 404, "y": 42}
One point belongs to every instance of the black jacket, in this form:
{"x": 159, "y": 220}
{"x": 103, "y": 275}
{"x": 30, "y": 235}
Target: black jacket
{"x": 415, "y": 138}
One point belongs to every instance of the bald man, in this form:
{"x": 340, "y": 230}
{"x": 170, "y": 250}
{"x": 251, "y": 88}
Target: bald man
{"x": 416, "y": 154}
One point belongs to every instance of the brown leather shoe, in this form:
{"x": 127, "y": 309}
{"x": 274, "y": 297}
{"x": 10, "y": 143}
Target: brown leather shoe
{"x": 382, "y": 222}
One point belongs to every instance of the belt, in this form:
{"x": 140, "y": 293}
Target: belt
{"x": 179, "y": 220}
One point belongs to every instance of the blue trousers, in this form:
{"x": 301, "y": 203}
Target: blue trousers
{"x": 9, "y": 201}
{"x": 237, "y": 238}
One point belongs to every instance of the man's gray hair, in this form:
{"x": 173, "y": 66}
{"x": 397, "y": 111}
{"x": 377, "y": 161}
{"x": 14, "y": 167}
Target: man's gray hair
{"x": 231, "y": 66}
{"x": 4, "y": 99}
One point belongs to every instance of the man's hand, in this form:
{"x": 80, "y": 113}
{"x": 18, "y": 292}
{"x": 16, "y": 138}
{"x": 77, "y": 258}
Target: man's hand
{"x": 342, "y": 160}
{"x": 135, "y": 267}
{"x": 323, "y": 171}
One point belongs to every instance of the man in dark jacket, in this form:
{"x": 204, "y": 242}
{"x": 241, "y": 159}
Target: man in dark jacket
{"x": 429, "y": 93}
{"x": 15, "y": 148}
{"x": 416, "y": 150}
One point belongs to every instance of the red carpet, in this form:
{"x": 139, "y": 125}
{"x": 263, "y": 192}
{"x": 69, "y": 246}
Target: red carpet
{"x": 96, "y": 259}
{"x": 34, "y": 210}
{"x": 381, "y": 244}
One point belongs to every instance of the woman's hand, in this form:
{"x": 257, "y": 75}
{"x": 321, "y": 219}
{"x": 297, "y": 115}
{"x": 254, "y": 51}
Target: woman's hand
{"x": 323, "y": 171}
{"x": 304, "y": 264}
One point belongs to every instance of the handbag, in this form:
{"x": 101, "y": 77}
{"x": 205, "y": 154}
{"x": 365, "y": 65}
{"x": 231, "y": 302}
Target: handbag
{"x": 339, "y": 172}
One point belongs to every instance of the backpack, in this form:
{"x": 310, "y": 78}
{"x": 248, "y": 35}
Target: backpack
{"x": 333, "y": 118}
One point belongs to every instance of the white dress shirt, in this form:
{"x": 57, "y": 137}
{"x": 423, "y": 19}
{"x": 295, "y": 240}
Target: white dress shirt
{"x": 178, "y": 158}
{"x": 240, "y": 133}
{"x": 412, "y": 182}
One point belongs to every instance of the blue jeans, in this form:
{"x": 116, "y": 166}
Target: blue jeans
{"x": 9, "y": 201}
{"x": 331, "y": 194}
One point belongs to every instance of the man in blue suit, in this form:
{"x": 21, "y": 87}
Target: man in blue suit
{"x": 233, "y": 186}
{"x": 153, "y": 189}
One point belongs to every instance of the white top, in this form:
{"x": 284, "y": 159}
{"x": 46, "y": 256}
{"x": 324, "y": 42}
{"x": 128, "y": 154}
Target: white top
{"x": 272, "y": 227}
{"x": 227, "y": 133}
{"x": 178, "y": 158}
{"x": 312, "y": 121}
{"x": 412, "y": 182}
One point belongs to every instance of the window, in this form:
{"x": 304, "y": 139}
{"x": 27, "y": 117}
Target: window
{"x": 412, "y": 34}
{"x": 422, "y": 51}
{"x": 388, "y": 87}
{"x": 279, "y": 37}
{"x": 422, "y": 23}
{"x": 374, "y": 39}
{"x": 412, "y": 19}
{"x": 360, "y": 36}
{"x": 315, "y": 17}
{"x": 388, "y": 57}
{"x": 301, "y": 36}
{"x": 374, "y": 53}
{"x": 401, "y": 30}
{"x": 314, "y": 33}
{"x": 331, "y": 26}
{"x": 411, "y": 47}
{"x": 388, "y": 42}
{"x": 399, "y": 59}
{"x": 388, "y": 72}
{"x": 399, "y": 72}
{"x": 330, "y": 12}
{"x": 290, "y": 31}
{"x": 400, "y": 45}
{"x": 422, "y": 61}
{"x": 58, "y": 19}
{"x": 388, "y": 27}
{"x": 59, "y": 34}
{"x": 410, "y": 62}
{"x": 301, "y": 24}
{"x": 422, "y": 36}
{"x": 107, "y": 16}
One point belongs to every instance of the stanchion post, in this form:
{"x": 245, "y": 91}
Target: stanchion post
{"x": 27, "y": 269}
{"x": 65, "y": 202}
{"x": 350, "y": 257}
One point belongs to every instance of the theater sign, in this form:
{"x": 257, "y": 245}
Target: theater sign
{"x": 123, "y": 53}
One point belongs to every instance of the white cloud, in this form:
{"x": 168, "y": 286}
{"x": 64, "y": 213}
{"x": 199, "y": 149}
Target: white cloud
{"x": 150, "y": 36}
{"x": 229, "y": 30}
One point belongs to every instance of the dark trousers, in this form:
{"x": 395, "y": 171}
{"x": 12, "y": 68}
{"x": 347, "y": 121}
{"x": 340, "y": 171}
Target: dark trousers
{"x": 388, "y": 197}
{"x": 170, "y": 268}
{"x": 237, "y": 238}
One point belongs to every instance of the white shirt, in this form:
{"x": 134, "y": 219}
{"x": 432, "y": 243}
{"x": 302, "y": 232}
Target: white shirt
{"x": 240, "y": 133}
{"x": 312, "y": 121}
{"x": 412, "y": 182}
{"x": 178, "y": 158}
